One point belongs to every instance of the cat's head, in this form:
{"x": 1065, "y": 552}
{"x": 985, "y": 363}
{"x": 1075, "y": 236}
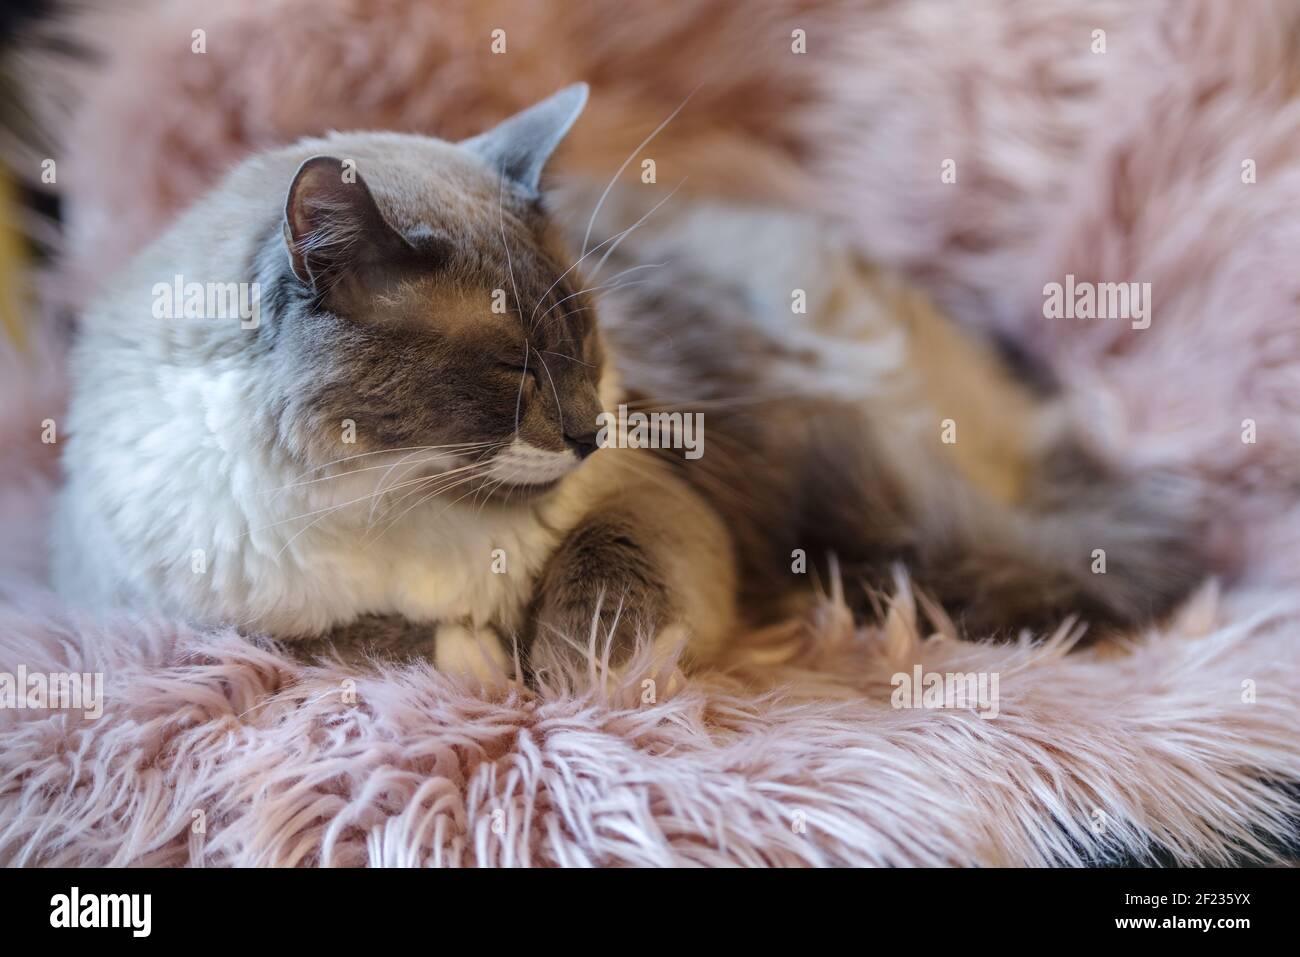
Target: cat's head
{"x": 432, "y": 312}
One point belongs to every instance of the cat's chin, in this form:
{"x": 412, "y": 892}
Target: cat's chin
{"x": 508, "y": 493}
{"x": 488, "y": 492}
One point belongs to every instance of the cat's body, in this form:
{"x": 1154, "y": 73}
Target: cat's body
{"x": 848, "y": 418}
{"x": 211, "y": 474}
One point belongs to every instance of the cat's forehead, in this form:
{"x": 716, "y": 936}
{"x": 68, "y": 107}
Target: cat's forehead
{"x": 495, "y": 247}
{"x": 480, "y": 298}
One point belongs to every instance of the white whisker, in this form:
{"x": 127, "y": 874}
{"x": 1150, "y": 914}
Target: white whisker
{"x": 593, "y": 249}
{"x": 559, "y": 406}
{"x": 468, "y": 446}
{"x": 625, "y": 233}
{"x": 619, "y": 172}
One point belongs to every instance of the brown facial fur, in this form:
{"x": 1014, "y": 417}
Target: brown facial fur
{"x": 415, "y": 350}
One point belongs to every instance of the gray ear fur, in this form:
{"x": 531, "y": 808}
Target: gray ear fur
{"x": 519, "y": 147}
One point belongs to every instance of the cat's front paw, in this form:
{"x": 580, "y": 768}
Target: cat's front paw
{"x": 472, "y": 653}
{"x": 629, "y": 662}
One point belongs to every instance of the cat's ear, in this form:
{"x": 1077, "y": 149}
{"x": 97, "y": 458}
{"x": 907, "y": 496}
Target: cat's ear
{"x": 519, "y": 147}
{"x": 332, "y": 225}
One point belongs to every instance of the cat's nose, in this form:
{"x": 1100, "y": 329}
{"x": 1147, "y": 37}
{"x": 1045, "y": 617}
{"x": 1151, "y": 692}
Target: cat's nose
{"x": 582, "y": 445}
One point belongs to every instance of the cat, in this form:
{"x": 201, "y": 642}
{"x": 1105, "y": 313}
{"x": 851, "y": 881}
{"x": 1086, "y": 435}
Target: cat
{"x": 398, "y": 446}
{"x": 399, "y": 436}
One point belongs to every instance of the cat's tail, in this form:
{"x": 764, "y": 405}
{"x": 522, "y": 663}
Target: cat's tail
{"x": 1114, "y": 552}
{"x": 1083, "y": 540}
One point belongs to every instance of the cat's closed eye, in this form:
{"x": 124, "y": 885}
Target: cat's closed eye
{"x": 526, "y": 377}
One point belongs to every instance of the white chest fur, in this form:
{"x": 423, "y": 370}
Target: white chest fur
{"x": 441, "y": 561}
{"x": 179, "y": 509}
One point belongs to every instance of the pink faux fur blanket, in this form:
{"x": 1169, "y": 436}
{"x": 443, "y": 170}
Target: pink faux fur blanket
{"x": 1119, "y": 166}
